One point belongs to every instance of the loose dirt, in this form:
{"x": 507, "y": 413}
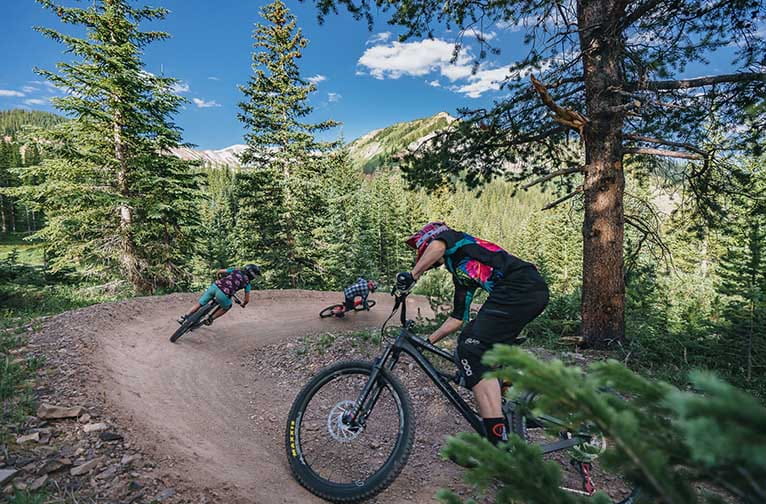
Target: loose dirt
{"x": 205, "y": 416}
{"x": 193, "y": 406}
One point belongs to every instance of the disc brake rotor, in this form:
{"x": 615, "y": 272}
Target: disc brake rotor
{"x": 340, "y": 430}
{"x": 591, "y": 449}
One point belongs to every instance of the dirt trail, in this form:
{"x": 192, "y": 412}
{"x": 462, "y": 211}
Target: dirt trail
{"x": 192, "y": 400}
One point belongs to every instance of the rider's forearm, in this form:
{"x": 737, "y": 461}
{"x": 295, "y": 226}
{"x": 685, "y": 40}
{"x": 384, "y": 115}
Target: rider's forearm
{"x": 433, "y": 253}
{"x": 448, "y": 327}
{"x": 247, "y": 297}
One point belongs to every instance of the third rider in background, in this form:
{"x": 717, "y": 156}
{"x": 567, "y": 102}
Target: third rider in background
{"x": 517, "y": 294}
{"x": 361, "y": 288}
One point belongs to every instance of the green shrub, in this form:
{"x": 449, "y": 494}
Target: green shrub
{"x": 665, "y": 440}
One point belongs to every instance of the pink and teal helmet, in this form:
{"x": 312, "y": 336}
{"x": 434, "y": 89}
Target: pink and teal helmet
{"x": 421, "y": 239}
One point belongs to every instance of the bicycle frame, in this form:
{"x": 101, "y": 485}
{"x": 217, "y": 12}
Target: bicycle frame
{"x": 414, "y": 346}
{"x": 408, "y": 343}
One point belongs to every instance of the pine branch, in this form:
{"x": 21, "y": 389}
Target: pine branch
{"x": 567, "y": 117}
{"x": 639, "y": 12}
{"x": 663, "y": 153}
{"x": 640, "y": 138}
{"x": 557, "y": 173}
{"x": 697, "y": 82}
{"x": 563, "y": 198}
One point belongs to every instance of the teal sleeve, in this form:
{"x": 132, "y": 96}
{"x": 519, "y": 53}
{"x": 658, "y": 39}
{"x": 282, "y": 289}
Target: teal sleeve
{"x": 230, "y": 270}
{"x": 248, "y": 287}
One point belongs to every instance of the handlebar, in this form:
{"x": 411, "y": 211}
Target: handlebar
{"x": 400, "y": 301}
{"x": 237, "y": 300}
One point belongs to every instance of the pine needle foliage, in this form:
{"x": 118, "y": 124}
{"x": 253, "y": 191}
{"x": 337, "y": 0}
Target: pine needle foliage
{"x": 282, "y": 154}
{"x": 116, "y": 204}
{"x": 678, "y": 446}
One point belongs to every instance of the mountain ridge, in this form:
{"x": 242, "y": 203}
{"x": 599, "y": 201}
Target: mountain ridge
{"x": 369, "y": 152}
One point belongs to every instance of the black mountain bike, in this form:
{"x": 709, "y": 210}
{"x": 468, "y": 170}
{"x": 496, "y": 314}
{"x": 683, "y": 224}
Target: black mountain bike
{"x": 196, "y": 319}
{"x": 351, "y": 428}
{"x": 338, "y": 310}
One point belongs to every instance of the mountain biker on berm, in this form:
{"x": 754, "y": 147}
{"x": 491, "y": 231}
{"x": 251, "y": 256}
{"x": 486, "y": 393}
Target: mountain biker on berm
{"x": 231, "y": 280}
{"x": 517, "y": 294}
{"x": 362, "y": 288}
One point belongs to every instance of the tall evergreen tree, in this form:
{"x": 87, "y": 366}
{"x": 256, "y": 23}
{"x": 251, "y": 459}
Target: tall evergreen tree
{"x": 216, "y": 223}
{"x": 281, "y": 147}
{"x": 743, "y": 281}
{"x": 114, "y": 201}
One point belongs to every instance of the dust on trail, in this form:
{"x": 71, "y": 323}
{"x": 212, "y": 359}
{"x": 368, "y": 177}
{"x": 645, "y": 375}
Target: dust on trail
{"x": 192, "y": 402}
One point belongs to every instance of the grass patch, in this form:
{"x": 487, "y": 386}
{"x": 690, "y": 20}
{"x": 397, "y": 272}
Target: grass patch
{"x": 25, "y": 497}
{"x": 22, "y": 253}
{"x": 25, "y": 302}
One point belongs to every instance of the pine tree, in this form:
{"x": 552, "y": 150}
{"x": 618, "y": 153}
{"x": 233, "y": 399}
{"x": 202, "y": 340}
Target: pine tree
{"x": 283, "y": 148}
{"x": 343, "y": 184}
{"x": 216, "y": 224}
{"x": 115, "y": 203}
{"x": 743, "y": 281}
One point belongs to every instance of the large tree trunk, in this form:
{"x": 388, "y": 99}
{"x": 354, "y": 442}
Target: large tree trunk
{"x": 603, "y": 289}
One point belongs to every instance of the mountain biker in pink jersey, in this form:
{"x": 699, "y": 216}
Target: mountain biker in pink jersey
{"x": 517, "y": 294}
{"x": 231, "y": 280}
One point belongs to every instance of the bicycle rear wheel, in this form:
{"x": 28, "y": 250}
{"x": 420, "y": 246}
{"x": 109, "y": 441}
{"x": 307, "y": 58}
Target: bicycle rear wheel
{"x": 580, "y": 470}
{"x": 340, "y": 461}
{"x": 360, "y": 307}
{"x": 330, "y": 310}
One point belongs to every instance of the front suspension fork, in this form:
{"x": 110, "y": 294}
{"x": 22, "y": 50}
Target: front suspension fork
{"x": 370, "y": 394}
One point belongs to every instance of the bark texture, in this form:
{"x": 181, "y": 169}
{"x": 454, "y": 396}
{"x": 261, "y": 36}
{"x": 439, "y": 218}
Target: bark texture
{"x": 603, "y": 299}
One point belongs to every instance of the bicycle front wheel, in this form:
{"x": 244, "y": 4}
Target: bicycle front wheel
{"x": 340, "y": 462}
{"x": 330, "y": 310}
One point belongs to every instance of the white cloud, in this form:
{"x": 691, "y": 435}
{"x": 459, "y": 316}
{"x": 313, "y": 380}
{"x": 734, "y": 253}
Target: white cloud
{"x": 213, "y": 78}
{"x": 334, "y": 97}
{"x": 379, "y": 37}
{"x": 205, "y": 104}
{"x": 317, "y": 79}
{"x": 478, "y": 34}
{"x": 409, "y": 58}
{"x": 490, "y": 79}
{"x": 30, "y": 89}
{"x": 180, "y": 87}
{"x": 10, "y": 92}
{"x": 433, "y": 58}
{"x": 35, "y": 101}
{"x": 483, "y": 81}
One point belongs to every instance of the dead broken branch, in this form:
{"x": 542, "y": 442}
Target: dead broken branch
{"x": 567, "y": 117}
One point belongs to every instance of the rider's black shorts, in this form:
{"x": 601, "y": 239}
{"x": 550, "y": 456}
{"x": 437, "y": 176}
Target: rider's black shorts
{"x": 513, "y": 303}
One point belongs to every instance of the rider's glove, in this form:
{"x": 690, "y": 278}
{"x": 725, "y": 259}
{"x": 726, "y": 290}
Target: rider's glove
{"x": 404, "y": 281}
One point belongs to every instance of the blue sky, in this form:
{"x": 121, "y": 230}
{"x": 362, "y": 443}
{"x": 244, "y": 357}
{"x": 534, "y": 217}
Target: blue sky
{"x": 366, "y": 80}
